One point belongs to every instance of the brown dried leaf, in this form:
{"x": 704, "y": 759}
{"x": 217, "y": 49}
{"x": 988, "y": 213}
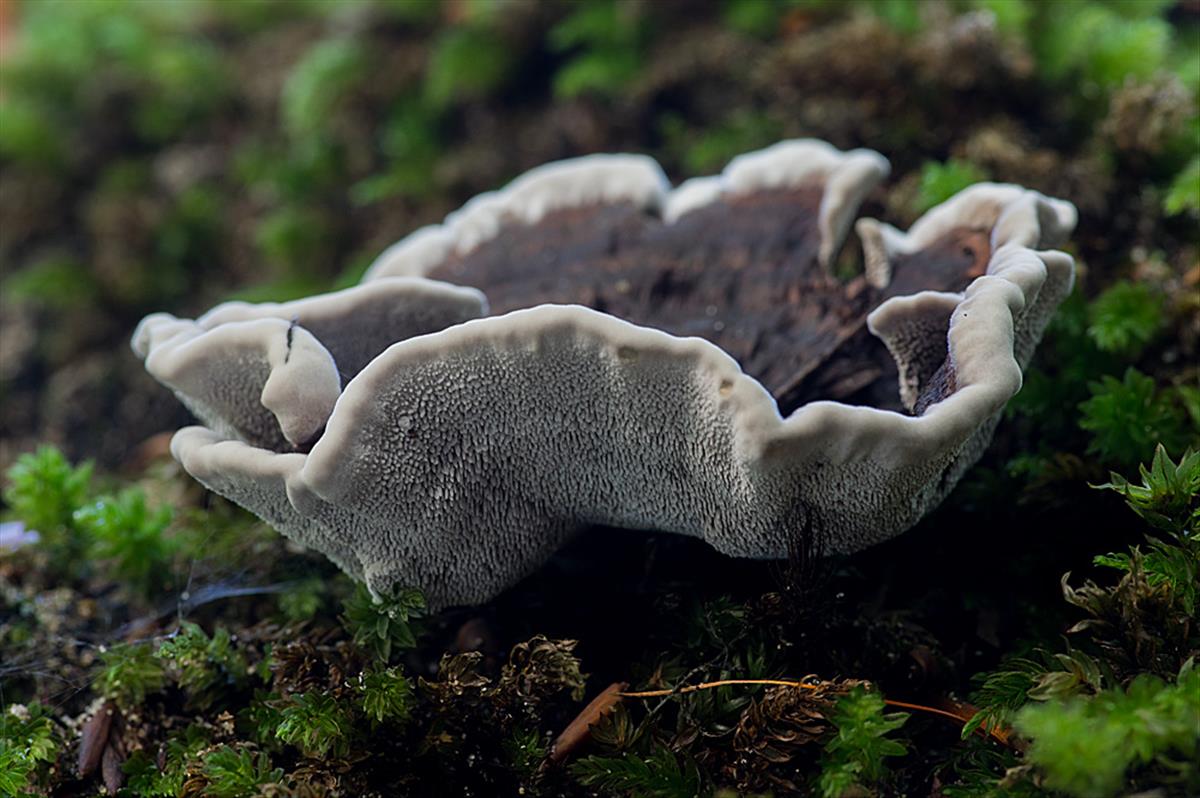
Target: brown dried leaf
{"x": 93, "y": 738}
{"x": 110, "y": 769}
{"x": 579, "y": 730}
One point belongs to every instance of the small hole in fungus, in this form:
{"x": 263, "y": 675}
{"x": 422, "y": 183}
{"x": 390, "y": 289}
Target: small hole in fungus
{"x": 627, "y": 353}
{"x": 726, "y": 387}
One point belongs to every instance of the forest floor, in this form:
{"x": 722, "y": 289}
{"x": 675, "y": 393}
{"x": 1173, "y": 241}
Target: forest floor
{"x": 159, "y": 641}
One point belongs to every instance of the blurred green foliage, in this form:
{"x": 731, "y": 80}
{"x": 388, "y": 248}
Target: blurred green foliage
{"x": 1085, "y": 746}
{"x": 324, "y": 77}
{"x": 1184, "y": 194}
{"x": 343, "y": 122}
{"x": 128, "y": 673}
{"x": 466, "y": 63}
{"x": 941, "y": 181}
{"x": 1125, "y": 318}
{"x": 603, "y": 41}
{"x": 76, "y": 59}
{"x": 58, "y": 282}
{"x": 122, "y": 529}
{"x": 43, "y": 490}
{"x": 1128, "y": 416}
{"x": 707, "y": 150}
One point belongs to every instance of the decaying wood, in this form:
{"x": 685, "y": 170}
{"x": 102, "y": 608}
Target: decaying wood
{"x": 741, "y": 272}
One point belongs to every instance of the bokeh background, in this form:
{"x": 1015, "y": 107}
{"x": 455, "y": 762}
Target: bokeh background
{"x": 168, "y": 154}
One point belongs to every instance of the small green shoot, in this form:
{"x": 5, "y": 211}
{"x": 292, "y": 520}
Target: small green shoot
{"x": 855, "y": 757}
{"x": 128, "y": 672}
{"x": 206, "y": 667}
{"x": 127, "y": 533}
{"x": 236, "y": 772}
{"x": 315, "y": 723}
{"x": 44, "y": 491}
{"x": 27, "y": 743}
{"x": 1169, "y": 496}
{"x": 658, "y": 774}
{"x": 385, "y": 695}
{"x": 385, "y": 628}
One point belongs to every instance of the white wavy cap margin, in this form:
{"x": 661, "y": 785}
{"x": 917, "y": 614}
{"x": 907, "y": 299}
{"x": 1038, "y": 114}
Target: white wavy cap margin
{"x": 459, "y": 461}
{"x": 607, "y": 178}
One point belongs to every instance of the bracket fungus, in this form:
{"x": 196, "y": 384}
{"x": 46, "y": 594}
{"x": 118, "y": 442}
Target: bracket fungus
{"x": 679, "y": 360}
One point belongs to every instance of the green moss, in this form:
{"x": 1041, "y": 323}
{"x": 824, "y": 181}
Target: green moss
{"x": 903, "y": 15}
{"x": 385, "y": 695}
{"x": 73, "y": 54}
{"x": 856, "y": 756}
{"x": 1125, "y": 318}
{"x": 28, "y": 747}
{"x": 235, "y": 772}
{"x": 412, "y": 140}
{"x": 705, "y": 151}
{"x": 126, "y": 533}
{"x": 1098, "y": 44}
{"x": 1085, "y": 747}
{"x": 1168, "y": 497}
{"x": 207, "y": 668}
{"x": 755, "y": 17}
{"x": 315, "y": 723}
{"x": 61, "y": 283}
{"x": 467, "y": 63}
{"x": 319, "y": 83}
{"x": 1012, "y": 16}
{"x": 297, "y": 241}
{"x": 302, "y": 600}
{"x": 941, "y": 181}
{"x": 1001, "y": 692}
{"x": 128, "y": 672}
{"x": 603, "y": 41}
{"x": 1128, "y": 417}
{"x": 28, "y": 135}
{"x": 44, "y": 491}
{"x": 385, "y": 628}
{"x": 1184, "y": 193}
{"x": 657, "y": 774}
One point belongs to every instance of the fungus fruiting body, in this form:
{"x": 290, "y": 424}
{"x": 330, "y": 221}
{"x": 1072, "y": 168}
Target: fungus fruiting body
{"x": 653, "y": 358}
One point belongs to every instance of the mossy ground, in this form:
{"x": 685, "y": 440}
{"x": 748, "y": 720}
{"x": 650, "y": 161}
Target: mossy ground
{"x": 161, "y": 156}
